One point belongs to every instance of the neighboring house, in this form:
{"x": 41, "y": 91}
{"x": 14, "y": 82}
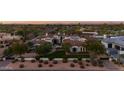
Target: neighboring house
{"x": 100, "y": 37}
{"x": 90, "y": 33}
{"x": 51, "y": 38}
{"x": 114, "y": 46}
{"x": 115, "y": 43}
{"x": 6, "y": 38}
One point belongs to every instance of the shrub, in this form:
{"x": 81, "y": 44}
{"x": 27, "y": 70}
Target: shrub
{"x": 50, "y": 59}
{"x": 79, "y": 59}
{"x": 82, "y": 66}
{"x": 72, "y": 65}
{"x": 50, "y": 65}
{"x": 21, "y": 66}
{"x": 87, "y": 65}
{"x": 22, "y": 60}
{"x": 94, "y": 63}
{"x": 40, "y": 61}
{"x": 2, "y": 46}
{"x": 14, "y": 61}
{"x": 37, "y": 57}
{"x": 39, "y": 65}
{"x": 55, "y": 62}
{"x": 121, "y": 63}
{"x": 65, "y": 60}
{"x": 75, "y": 61}
{"x": 33, "y": 61}
{"x": 45, "y": 62}
{"x": 80, "y": 63}
{"x": 88, "y": 61}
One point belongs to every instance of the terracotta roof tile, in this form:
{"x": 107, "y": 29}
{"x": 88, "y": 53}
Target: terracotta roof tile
{"x": 73, "y": 42}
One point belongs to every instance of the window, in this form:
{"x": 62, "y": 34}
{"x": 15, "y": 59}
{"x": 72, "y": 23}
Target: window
{"x": 122, "y": 49}
{"x": 109, "y": 45}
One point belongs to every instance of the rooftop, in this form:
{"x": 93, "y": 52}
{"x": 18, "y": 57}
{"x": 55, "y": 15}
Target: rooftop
{"x": 119, "y": 40}
{"x": 73, "y": 42}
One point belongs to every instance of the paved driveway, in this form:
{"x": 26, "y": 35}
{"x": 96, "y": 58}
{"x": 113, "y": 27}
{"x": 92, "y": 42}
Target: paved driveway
{"x": 111, "y": 66}
{"x": 3, "y": 64}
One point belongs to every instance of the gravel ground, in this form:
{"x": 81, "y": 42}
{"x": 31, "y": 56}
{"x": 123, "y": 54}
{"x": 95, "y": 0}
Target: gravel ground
{"x": 109, "y": 66}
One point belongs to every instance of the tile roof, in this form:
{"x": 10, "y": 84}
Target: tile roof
{"x": 119, "y": 40}
{"x": 73, "y": 42}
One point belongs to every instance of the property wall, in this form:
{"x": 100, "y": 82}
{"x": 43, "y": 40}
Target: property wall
{"x": 121, "y": 52}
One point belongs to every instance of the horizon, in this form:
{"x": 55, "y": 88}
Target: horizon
{"x": 61, "y": 22}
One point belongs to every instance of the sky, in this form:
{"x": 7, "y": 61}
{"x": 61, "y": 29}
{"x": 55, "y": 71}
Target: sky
{"x": 61, "y": 22}
{"x": 61, "y": 10}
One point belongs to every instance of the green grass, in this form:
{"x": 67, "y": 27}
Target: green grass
{"x": 78, "y": 56}
{"x": 61, "y": 54}
{"x": 57, "y": 54}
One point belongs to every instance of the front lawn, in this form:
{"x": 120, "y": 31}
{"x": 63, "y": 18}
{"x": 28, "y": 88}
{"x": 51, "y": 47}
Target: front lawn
{"x": 61, "y": 54}
{"x": 56, "y": 54}
{"x": 79, "y": 56}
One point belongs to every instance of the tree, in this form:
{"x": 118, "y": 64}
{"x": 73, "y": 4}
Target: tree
{"x": 19, "y": 48}
{"x": 8, "y": 52}
{"x": 94, "y": 48}
{"x": 66, "y": 47}
{"x": 44, "y": 49}
{"x": 30, "y": 44}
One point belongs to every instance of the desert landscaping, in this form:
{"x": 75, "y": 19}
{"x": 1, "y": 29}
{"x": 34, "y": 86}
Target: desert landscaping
{"x": 81, "y": 47}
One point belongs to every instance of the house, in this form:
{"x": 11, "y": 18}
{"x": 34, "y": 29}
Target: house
{"x": 75, "y": 41}
{"x": 100, "y": 37}
{"x": 76, "y": 45}
{"x": 90, "y": 33}
{"x": 6, "y": 38}
{"x": 115, "y": 43}
{"x": 114, "y": 46}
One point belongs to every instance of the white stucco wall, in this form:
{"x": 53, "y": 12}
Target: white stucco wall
{"x": 83, "y": 49}
{"x": 121, "y": 52}
{"x": 58, "y": 59}
{"x": 78, "y": 49}
{"x": 105, "y": 44}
